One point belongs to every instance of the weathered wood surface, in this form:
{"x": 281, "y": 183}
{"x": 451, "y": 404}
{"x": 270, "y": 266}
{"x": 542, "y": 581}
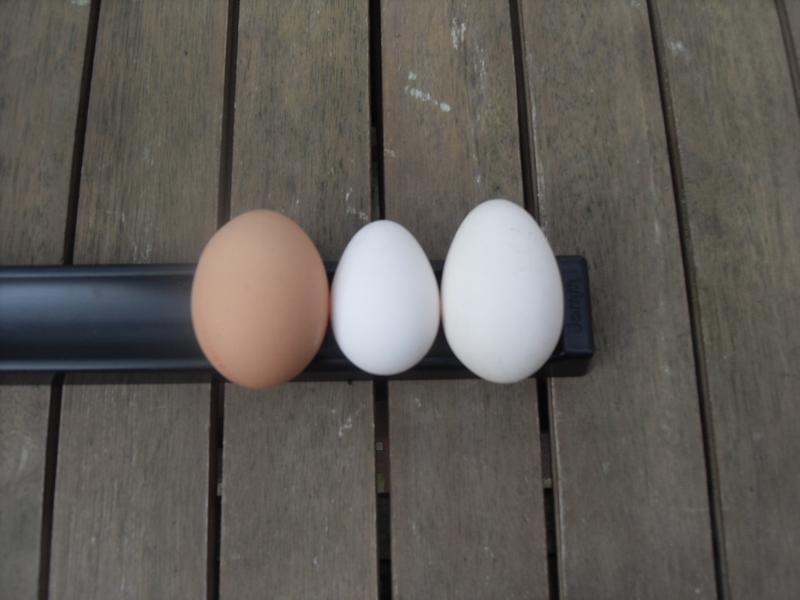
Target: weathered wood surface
{"x": 632, "y": 509}
{"x": 41, "y": 61}
{"x": 298, "y": 496}
{"x": 306, "y": 527}
{"x": 23, "y": 440}
{"x": 466, "y": 492}
{"x": 738, "y": 136}
{"x": 131, "y": 496}
{"x": 793, "y": 13}
{"x": 131, "y": 491}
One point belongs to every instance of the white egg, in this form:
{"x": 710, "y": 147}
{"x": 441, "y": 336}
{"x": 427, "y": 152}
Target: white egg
{"x": 384, "y": 300}
{"x": 502, "y": 296}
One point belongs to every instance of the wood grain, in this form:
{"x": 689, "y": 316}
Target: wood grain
{"x": 298, "y": 515}
{"x": 793, "y": 12}
{"x": 466, "y": 491}
{"x": 738, "y": 135}
{"x": 302, "y": 133}
{"x": 306, "y": 528}
{"x": 789, "y": 13}
{"x": 131, "y": 489}
{"x": 23, "y": 439}
{"x": 150, "y": 174}
{"x": 632, "y": 508}
{"x": 467, "y": 503}
{"x": 41, "y": 61}
{"x": 131, "y": 495}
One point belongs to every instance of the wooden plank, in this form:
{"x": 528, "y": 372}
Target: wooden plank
{"x": 132, "y": 481}
{"x": 793, "y": 14}
{"x": 738, "y": 135}
{"x": 298, "y": 494}
{"x": 41, "y": 59}
{"x": 23, "y": 439}
{"x": 632, "y": 509}
{"x": 467, "y": 503}
{"x": 131, "y": 491}
{"x": 467, "y": 516}
{"x": 789, "y": 13}
{"x": 301, "y": 146}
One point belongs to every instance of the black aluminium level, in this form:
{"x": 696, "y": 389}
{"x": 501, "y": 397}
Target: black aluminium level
{"x": 137, "y": 318}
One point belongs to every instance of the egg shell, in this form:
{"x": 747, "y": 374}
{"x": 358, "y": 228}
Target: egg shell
{"x": 260, "y": 299}
{"x": 384, "y": 300}
{"x": 502, "y": 295}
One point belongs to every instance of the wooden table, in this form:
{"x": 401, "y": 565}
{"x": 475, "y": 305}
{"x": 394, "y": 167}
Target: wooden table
{"x": 659, "y": 139}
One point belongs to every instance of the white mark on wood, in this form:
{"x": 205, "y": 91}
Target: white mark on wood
{"x": 488, "y": 550}
{"x": 457, "y": 30}
{"x": 352, "y": 210}
{"x": 148, "y": 157}
{"x": 346, "y": 426}
{"x": 23, "y": 457}
{"x": 349, "y": 209}
{"x": 389, "y": 152}
{"x": 677, "y": 48}
{"x": 418, "y": 402}
{"x": 313, "y": 20}
{"x": 537, "y": 155}
{"x": 419, "y": 94}
{"x": 426, "y": 97}
{"x": 80, "y": 2}
{"x": 478, "y": 179}
{"x": 412, "y": 76}
{"x": 315, "y": 562}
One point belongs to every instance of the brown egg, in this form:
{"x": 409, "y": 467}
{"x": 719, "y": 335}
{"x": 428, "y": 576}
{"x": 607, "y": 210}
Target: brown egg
{"x": 260, "y": 299}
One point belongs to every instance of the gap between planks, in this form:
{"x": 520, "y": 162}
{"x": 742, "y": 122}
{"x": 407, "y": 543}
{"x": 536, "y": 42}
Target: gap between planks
{"x": 530, "y": 201}
{"x": 217, "y": 404}
{"x": 57, "y": 386}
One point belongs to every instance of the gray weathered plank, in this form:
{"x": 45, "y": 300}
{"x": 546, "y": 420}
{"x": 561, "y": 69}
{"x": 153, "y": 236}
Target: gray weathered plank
{"x": 738, "y": 136}
{"x": 301, "y": 146}
{"x": 23, "y": 439}
{"x": 131, "y": 488}
{"x": 298, "y": 494}
{"x": 632, "y": 509}
{"x": 131, "y": 491}
{"x": 466, "y": 498}
{"x": 467, "y": 504}
{"x": 41, "y": 58}
{"x": 793, "y": 12}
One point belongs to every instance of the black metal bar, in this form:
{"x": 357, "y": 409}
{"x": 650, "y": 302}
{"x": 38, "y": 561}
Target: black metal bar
{"x": 137, "y": 318}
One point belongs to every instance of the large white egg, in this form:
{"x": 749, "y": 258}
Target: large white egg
{"x": 502, "y": 296}
{"x": 384, "y": 300}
